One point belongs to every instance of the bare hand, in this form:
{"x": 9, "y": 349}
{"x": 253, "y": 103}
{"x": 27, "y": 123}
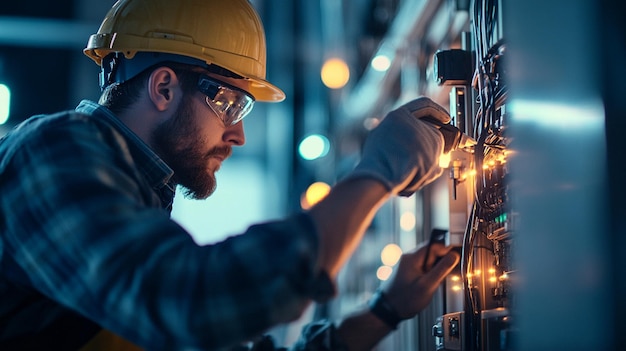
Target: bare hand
{"x": 410, "y": 288}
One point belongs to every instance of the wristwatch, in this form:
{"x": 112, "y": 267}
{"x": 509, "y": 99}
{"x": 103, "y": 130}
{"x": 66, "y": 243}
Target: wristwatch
{"x": 381, "y": 308}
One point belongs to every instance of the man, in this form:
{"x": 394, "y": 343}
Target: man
{"x": 86, "y": 241}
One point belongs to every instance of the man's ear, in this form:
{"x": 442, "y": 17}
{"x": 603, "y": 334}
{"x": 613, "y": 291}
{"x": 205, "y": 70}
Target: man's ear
{"x": 163, "y": 87}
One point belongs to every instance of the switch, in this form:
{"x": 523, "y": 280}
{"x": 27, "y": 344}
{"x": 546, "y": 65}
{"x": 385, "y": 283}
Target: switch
{"x": 453, "y": 327}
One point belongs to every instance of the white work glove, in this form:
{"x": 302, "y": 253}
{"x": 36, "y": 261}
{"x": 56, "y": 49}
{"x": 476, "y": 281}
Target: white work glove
{"x": 402, "y": 146}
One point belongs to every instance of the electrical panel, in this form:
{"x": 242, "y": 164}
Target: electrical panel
{"x": 480, "y": 299}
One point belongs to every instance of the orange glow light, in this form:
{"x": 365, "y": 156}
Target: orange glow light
{"x": 314, "y": 194}
{"x": 390, "y": 254}
{"x": 383, "y": 272}
{"x": 335, "y": 73}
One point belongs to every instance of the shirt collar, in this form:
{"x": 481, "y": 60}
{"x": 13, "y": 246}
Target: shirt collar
{"x": 158, "y": 173}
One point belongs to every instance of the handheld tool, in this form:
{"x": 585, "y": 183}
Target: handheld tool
{"x": 454, "y": 138}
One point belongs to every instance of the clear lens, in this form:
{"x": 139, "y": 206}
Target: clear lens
{"x": 231, "y": 104}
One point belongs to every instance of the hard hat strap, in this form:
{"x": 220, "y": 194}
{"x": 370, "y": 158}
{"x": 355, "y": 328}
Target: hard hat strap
{"x": 116, "y": 68}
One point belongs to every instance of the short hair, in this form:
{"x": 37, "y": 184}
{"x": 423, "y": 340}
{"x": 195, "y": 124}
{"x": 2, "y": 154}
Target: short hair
{"x": 118, "y": 97}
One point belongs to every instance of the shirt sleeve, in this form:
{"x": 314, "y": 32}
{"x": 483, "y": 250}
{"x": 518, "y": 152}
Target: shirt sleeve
{"x": 316, "y": 336}
{"x": 319, "y": 336}
{"x": 82, "y": 228}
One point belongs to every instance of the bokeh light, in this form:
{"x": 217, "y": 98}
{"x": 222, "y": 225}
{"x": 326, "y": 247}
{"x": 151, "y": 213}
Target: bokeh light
{"x": 335, "y": 73}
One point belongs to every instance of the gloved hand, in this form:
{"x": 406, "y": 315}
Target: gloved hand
{"x": 403, "y": 147}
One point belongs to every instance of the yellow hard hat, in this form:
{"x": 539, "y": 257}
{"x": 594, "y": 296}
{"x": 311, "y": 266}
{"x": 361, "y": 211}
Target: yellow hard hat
{"x": 228, "y": 34}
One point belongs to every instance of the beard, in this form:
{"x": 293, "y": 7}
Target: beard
{"x": 179, "y": 143}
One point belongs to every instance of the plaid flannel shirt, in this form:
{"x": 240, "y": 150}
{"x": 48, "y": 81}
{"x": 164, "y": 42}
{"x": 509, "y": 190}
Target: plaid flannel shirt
{"x": 87, "y": 242}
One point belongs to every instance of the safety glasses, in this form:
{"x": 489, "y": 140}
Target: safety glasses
{"x": 229, "y": 103}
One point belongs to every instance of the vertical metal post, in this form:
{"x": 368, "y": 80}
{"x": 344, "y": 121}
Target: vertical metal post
{"x": 558, "y": 175}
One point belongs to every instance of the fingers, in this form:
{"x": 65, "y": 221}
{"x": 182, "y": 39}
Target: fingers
{"x": 438, "y": 249}
{"x": 423, "y": 106}
{"x": 441, "y": 269}
{"x": 412, "y": 288}
{"x": 430, "y": 255}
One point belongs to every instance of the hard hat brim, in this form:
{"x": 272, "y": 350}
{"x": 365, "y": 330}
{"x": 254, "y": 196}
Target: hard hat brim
{"x": 100, "y": 45}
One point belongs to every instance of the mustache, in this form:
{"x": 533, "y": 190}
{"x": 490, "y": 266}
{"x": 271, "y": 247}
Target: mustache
{"x": 223, "y": 151}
